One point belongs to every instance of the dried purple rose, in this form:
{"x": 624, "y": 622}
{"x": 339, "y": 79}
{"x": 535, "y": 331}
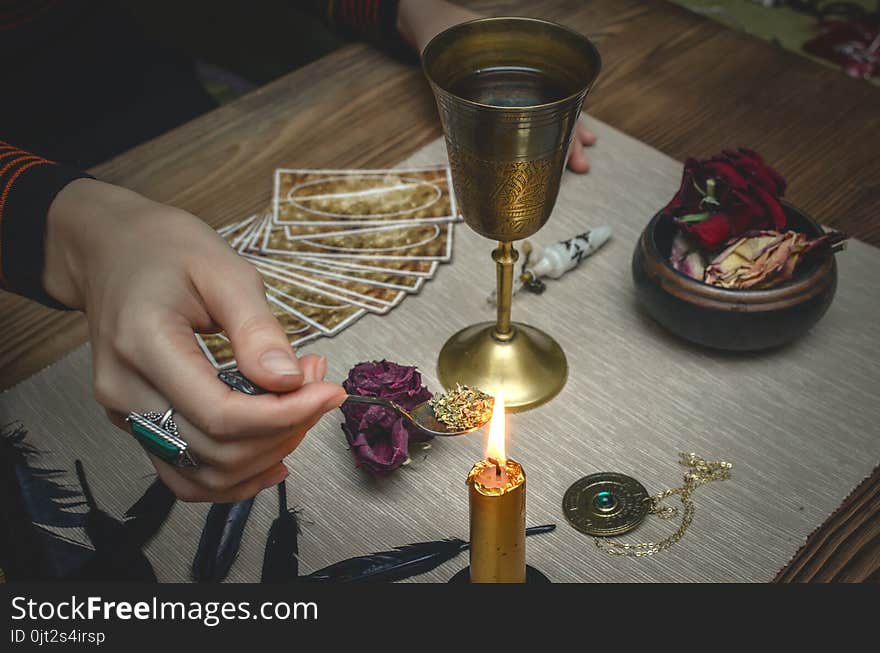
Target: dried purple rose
{"x": 378, "y": 437}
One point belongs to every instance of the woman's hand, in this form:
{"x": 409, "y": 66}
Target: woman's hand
{"x": 148, "y": 276}
{"x": 418, "y": 21}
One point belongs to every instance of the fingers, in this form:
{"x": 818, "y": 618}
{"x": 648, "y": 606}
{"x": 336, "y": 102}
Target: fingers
{"x": 314, "y": 368}
{"x": 173, "y": 363}
{"x": 221, "y": 480}
{"x": 577, "y": 159}
{"x": 186, "y": 490}
{"x": 584, "y": 135}
{"x": 236, "y": 300}
{"x": 228, "y": 467}
{"x": 231, "y": 417}
{"x": 226, "y": 471}
{"x": 222, "y": 464}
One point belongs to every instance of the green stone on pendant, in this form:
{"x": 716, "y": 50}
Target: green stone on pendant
{"x": 605, "y": 500}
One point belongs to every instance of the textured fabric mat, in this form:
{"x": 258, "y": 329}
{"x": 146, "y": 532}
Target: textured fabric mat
{"x": 799, "y": 424}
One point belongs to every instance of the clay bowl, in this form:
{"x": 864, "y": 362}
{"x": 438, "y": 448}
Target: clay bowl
{"x": 733, "y": 320}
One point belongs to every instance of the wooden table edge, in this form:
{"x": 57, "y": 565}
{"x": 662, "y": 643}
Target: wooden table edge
{"x": 856, "y": 520}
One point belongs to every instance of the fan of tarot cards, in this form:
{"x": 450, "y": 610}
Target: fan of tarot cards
{"x": 338, "y": 244}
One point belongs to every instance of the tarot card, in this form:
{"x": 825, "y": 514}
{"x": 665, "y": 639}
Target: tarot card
{"x": 422, "y": 269}
{"x": 422, "y": 242}
{"x": 327, "y": 315}
{"x": 249, "y": 245}
{"x": 376, "y": 277}
{"x": 354, "y": 291}
{"x": 337, "y": 245}
{"x": 237, "y": 233}
{"x": 310, "y": 199}
{"x": 218, "y": 348}
{"x": 304, "y": 296}
{"x": 233, "y": 232}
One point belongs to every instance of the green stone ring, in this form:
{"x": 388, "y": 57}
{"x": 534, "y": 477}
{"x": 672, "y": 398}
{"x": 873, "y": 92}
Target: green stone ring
{"x": 158, "y": 435}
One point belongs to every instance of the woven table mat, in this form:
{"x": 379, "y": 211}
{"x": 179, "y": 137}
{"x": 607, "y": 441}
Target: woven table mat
{"x": 799, "y": 424}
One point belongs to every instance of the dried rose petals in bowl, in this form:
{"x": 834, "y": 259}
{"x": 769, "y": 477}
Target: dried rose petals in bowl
{"x": 764, "y": 259}
{"x": 756, "y": 260}
{"x": 731, "y": 265}
{"x": 731, "y": 226}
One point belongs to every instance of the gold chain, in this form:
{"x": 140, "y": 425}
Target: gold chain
{"x": 699, "y": 473}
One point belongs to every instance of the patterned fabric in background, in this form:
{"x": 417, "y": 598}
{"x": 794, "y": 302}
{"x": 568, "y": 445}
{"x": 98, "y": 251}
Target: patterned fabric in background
{"x": 845, "y": 35}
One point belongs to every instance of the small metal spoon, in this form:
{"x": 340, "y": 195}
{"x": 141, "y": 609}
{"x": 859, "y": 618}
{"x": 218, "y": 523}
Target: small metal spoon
{"x": 421, "y": 416}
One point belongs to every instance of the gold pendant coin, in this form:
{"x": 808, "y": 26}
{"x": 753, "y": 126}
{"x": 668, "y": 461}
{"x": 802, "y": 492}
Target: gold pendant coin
{"x": 605, "y": 504}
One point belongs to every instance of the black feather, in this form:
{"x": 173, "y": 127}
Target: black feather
{"x": 144, "y": 519}
{"x": 389, "y": 566}
{"x": 34, "y": 507}
{"x": 402, "y": 562}
{"x": 221, "y": 536}
{"x": 46, "y": 500}
{"x": 281, "y": 561}
{"x": 117, "y": 556}
{"x": 41, "y": 541}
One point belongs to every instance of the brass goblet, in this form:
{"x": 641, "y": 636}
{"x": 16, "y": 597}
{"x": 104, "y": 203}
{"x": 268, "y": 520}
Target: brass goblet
{"x": 509, "y": 92}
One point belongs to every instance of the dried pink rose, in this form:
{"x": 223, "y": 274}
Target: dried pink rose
{"x": 763, "y": 259}
{"x": 686, "y": 258}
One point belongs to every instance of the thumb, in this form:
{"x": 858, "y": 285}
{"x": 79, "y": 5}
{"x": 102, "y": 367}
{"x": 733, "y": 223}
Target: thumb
{"x": 261, "y": 347}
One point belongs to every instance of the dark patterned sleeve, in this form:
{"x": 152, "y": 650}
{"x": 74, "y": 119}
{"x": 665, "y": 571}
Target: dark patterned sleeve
{"x": 368, "y": 20}
{"x": 28, "y": 184}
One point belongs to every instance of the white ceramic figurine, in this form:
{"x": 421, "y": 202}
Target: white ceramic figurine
{"x": 555, "y": 260}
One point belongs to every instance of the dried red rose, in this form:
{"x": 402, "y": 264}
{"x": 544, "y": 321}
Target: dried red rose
{"x": 725, "y": 196}
{"x": 378, "y": 437}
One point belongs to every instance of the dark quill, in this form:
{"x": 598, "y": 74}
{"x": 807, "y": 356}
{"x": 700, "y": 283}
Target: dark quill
{"x": 402, "y": 562}
{"x": 35, "y": 511}
{"x": 117, "y": 556}
{"x": 144, "y": 519}
{"x": 280, "y": 561}
{"x": 220, "y": 539}
{"x": 45, "y": 499}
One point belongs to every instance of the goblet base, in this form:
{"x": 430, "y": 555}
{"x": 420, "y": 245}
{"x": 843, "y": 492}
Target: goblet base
{"x": 530, "y": 367}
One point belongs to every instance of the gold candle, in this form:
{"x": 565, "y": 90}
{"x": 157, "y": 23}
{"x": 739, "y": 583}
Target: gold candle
{"x": 497, "y": 489}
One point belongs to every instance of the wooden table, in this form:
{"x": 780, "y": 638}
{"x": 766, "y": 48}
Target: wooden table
{"x": 683, "y": 84}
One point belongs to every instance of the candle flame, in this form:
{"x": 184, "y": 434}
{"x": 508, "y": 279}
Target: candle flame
{"x": 495, "y": 444}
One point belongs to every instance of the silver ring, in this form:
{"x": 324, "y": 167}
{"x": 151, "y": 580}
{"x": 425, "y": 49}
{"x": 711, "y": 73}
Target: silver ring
{"x": 164, "y": 420}
{"x": 159, "y": 435}
{"x": 167, "y": 418}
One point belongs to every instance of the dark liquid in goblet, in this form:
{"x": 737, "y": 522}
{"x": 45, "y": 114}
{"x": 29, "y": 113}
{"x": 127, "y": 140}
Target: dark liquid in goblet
{"x": 507, "y": 86}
